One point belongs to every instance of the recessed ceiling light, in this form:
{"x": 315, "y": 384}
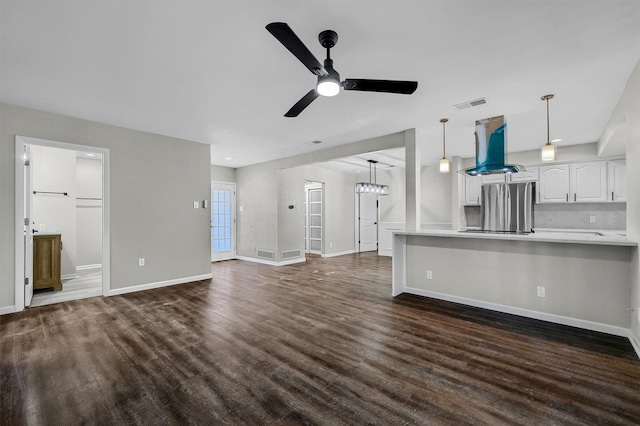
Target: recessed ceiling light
{"x": 556, "y": 140}
{"x": 90, "y": 154}
{"x": 227, "y": 158}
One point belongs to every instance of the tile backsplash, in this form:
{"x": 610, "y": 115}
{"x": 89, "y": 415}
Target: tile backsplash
{"x": 608, "y": 216}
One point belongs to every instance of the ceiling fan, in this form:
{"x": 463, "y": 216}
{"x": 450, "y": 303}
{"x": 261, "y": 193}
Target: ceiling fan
{"x": 328, "y": 78}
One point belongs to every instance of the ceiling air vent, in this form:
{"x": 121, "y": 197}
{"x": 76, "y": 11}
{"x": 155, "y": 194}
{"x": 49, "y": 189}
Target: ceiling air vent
{"x": 469, "y": 104}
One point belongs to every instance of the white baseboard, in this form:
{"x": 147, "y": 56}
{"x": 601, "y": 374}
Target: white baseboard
{"x": 272, "y": 262}
{"x": 635, "y": 342}
{"x": 86, "y": 267}
{"x": 159, "y": 284}
{"x": 558, "y": 319}
{"x": 7, "y": 310}
{"x": 68, "y": 276}
{"x": 342, "y": 253}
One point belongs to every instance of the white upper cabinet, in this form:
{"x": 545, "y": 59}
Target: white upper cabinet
{"x": 589, "y": 182}
{"x": 497, "y": 178}
{"x": 573, "y": 183}
{"x": 553, "y": 184}
{"x": 472, "y": 190}
{"x": 617, "y": 181}
{"x": 530, "y": 175}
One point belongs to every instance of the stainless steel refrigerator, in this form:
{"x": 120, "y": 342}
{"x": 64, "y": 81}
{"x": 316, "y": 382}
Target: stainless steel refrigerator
{"x": 507, "y": 207}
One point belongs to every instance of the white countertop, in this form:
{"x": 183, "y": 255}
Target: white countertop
{"x": 611, "y": 238}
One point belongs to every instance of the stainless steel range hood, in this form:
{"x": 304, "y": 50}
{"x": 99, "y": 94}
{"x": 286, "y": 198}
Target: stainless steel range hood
{"x": 491, "y": 148}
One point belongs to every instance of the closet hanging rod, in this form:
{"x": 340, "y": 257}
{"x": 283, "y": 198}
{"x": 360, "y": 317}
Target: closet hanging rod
{"x": 48, "y": 192}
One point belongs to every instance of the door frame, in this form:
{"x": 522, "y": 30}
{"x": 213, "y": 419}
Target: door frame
{"x": 233, "y": 218}
{"x": 313, "y": 186}
{"x": 357, "y": 222}
{"x": 20, "y": 191}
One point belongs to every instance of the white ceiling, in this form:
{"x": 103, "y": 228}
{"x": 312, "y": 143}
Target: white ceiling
{"x": 208, "y": 71}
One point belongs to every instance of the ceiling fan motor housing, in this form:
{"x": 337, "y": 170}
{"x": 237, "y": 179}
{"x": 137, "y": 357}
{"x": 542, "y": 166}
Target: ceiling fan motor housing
{"x": 328, "y": 38}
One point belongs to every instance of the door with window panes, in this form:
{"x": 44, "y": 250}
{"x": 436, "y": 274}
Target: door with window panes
{"x": 223, "y": 221}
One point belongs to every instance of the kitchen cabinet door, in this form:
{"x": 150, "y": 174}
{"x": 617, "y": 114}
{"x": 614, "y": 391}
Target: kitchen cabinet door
{"x": 553, "y": 183}
{"x": 472, "y": 190}
{"x": 530, "y": 175}
{"x": 589, "y": 182}
{"x": 494, "y": 178}
{"x": 617, "y": 180}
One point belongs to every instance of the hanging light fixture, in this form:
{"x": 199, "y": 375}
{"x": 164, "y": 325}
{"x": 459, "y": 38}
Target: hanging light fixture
{"x": 549, "y": 151}
{"x": 372, "y": 187}
{"x": 445, "y": 164}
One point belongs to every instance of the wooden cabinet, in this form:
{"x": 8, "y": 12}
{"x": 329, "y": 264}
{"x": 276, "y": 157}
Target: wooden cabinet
{"x": 46, "y": 261}
{"x": 472, "y": 190}
{"x": 617, "y": 180}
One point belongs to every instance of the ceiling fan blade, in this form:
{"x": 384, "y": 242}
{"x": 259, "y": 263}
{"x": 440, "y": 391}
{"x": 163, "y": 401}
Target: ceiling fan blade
{"x": 389, "y": 86}
{"x": 290, "y": 40}
{"x": 302, "y": 103}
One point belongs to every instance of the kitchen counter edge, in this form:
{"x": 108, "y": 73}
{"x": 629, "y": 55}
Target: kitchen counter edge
{"x": 542, "y": 237}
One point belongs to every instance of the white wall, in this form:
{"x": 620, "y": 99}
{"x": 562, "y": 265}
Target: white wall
{"x": 154, "y": 182}
{"x": 54, "y": 170}
{"x": 89, "y": 211}
{"x": 623, "y": 129}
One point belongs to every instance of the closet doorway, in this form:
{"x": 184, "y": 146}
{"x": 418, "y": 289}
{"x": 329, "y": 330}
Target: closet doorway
{"x": 313, "y": 218}
{"x": 61, "y": 221}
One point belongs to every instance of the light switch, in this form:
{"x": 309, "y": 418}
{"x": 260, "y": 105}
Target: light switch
{"x": 196, "y": 204}
{"x": 205, "y": 204}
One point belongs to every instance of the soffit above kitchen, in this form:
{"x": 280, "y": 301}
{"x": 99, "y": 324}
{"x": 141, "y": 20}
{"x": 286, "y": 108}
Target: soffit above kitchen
{"x": 210, "y": 72}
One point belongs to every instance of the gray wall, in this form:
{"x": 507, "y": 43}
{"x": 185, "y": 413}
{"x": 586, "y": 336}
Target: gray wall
{"x": 154, "y": 182}
{"x": 338, "y": 205}
{"x": 223, "y": 174}
{"x": 435, "y": 195}
{"x": 258, "y": 196}
{"x": 582, "y": 281}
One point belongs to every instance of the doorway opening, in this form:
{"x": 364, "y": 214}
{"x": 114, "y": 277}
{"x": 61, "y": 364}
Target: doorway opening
{"x": 367, "y": 222}
{"x": 313, "y": 217}
{"x": 223, "y": 221}
{"x": 62, "y": 222}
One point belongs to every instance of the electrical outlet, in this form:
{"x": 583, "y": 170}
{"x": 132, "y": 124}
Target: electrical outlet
{"x": 429, "y": 275}
{"x": 141, "y": 261}
{"x": 330, "y": 245}
{"x": 592, "y": 219}
{"x": 43, "y": 227}
{"x": 541, "y": 292}
{"x": 196, "y": 204}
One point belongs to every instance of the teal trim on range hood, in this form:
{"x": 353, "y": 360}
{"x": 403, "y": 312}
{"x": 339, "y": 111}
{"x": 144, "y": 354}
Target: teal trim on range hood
{"x": 491, "y": 148}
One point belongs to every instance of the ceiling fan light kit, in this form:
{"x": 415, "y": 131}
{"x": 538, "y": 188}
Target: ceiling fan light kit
{"x": 328, "y": 78}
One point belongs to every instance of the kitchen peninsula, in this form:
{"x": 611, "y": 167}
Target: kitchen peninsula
{"x": 572, "y": 278}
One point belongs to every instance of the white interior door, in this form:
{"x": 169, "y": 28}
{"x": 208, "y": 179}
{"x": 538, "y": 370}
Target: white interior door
{"x": 313, "y": 218}
{"x": 367, "y": 222}
{"x": 223, "y": 221}
{"x": 28, "y": 221}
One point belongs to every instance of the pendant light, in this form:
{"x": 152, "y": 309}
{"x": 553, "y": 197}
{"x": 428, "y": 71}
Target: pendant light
{"x": 445, "y": 164}
{"x": 549, "y": 151}
{"x": 372, "y": 187}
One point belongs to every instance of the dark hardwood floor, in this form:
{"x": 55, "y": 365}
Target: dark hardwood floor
{"x": 315, "y": 343}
